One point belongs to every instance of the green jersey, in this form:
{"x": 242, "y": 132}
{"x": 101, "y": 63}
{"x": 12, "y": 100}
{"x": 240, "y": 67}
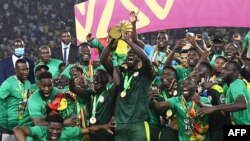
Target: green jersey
{"x": 134, "y": 106}
{"x": 236, "y": 89}
{"x": 13, "y": 96}
{"x": 36, "y": 107}
{"x": 96, "y": 44}
{"x": 40, "y": 133}
{"x": 185, "y": 127}
{"x": 104, "y": 106}
{"x": 53, "y": 65}
{"x": 33, "y": 88}
{"x": 182, "y": 72}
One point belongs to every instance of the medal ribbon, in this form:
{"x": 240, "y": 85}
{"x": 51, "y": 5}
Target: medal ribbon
{"x": 95, "y": 103}
{"x": 184, "y": 104}
{"x": 22, "y": 104}
{"x": 164, "y": 94}
{"x": 127, "y": 81}
{"x": 155, "y": 54}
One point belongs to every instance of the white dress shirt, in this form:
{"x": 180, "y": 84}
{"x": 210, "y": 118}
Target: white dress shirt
{"x": 68, "y": 48}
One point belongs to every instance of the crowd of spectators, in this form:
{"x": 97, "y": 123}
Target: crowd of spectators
{"x": 37, "y": 22}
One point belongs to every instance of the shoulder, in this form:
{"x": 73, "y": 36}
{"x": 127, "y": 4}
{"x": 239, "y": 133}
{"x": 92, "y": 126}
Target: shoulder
{"x": 237, "y": 83}
{"x": 56, "y": 60}
{"x": 57, "y": 48}
{"x": 9, "y": 81}
{"x": 29, "y": 60}
{"x": 72, "y": 46}
{"x": 35, "y": 96}
{"x": 5, "y": 60}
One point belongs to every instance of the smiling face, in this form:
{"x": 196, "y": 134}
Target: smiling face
{"x": 65, "y": 37}
{"x": 45, "y": 86}
{"x": 162, "y": 40}
{"x": 84, "y": 53}
{"x": 54, "y": 129}
{"x": 189, "y": 88}
{"x": 230, "y": 52}
{"x": 192, "y": 58}
{"x": 22, "y": 71}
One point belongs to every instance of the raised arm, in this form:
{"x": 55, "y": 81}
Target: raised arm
{"x": 138, "y": 51}
{"x": 133, "y": 20}
{"x": 94, "y": 43}
{"x": 170, "y": 57}
{"x": 106, "y": 58}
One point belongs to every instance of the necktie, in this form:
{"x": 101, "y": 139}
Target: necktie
{"x": 65, "y": 55}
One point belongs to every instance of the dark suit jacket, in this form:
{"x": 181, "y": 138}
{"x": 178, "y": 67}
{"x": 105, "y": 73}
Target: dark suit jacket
{"x": 7, "y": 69}
{"x": 73, "y": 53}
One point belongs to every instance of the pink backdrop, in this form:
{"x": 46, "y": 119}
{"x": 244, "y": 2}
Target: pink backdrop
{"x": 96, "y": 16}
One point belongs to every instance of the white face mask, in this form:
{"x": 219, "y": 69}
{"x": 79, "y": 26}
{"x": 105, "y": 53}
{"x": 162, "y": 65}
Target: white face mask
{"x": 19, "y": 52}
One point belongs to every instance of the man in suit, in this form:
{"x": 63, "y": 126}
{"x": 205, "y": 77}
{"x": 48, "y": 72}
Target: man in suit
{"x": 67, "y": 52}
{"x": 7, "y": 65}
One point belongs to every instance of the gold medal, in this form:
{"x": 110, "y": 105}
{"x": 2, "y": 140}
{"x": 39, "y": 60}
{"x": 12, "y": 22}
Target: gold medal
{"x": 123, "y": 94}
{"x": 92, "y": 120}
{"x": 136, "y": 74}
{"x": 169, "y": 113}
{"x": 174, "y": 93}
{"x": 101, "y": 99}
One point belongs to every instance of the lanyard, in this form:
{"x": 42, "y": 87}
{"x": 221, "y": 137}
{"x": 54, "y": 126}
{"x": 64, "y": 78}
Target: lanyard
{"x": 164, "y": 94}
{"x": 184, "y": 104}
{"x": 156, "y": 54}
{"x": 95, "y": 102}
{"x": 127, "y": 81}
{"x": 21, "y": 89}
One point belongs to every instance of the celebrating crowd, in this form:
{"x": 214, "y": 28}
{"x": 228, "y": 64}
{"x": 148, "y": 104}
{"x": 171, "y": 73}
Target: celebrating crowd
{"x": 145, "y": 93}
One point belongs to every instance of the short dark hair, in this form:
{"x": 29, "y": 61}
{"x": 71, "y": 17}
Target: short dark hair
{"x": 78, "y": 69}
{"x": 206, "y": 64}
{"x": 221, "y": 57}
{"x": 64, "y": 31}
{"x": 54, "y": 118}
{"x": 192, "y": 49}
{"x": 84, "y": 44}
{"x": 44, "y": 75}
{"x": 184, "y": 51}
{"x": 23, "y": 61}
{"x": 171, "y": 68}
